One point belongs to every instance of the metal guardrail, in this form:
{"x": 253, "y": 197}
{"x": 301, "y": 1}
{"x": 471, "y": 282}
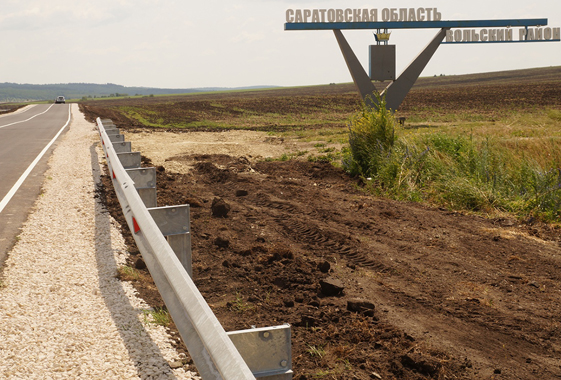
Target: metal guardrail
{"x": 247, "y": 354}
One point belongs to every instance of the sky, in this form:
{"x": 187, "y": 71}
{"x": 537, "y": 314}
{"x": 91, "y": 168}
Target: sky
{"x": 219, "y": 43}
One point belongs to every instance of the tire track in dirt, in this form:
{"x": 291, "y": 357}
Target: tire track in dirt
{"x": 300, "y": 225}
{"x": 475, "y": 312}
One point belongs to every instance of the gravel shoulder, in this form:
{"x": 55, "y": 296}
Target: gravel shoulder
{"x": 63, "y": 312}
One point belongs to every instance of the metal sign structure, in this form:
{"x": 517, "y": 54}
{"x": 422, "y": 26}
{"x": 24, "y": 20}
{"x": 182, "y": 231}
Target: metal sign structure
{"x": 382, "y": 55}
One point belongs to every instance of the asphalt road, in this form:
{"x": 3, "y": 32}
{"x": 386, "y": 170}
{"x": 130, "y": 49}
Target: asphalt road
{"x": 24, "y": 136}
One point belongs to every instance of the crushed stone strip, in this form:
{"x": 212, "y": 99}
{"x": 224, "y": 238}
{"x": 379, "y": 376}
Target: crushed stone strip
{"x": 63, "y": 312}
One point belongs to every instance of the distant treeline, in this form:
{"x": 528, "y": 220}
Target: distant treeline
{"x": 14, "y": 92}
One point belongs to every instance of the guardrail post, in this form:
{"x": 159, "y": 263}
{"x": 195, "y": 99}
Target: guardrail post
{"x": 116, "y": 138}
{"x": 145, "y": 183}
{"x": 175, "y": 224}
{"x": 113, "y": 131}
{"x": 122, "y": 147}
{"x": 130, "y": 160}
{"x": 266, "y": 351}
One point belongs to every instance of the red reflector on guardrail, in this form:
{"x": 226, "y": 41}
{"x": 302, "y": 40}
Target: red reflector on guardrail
{"x": 135, "y": 225}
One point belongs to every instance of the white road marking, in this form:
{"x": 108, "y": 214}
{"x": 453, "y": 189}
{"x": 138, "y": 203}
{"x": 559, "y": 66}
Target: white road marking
{"x": 25, "y": 174}
{"x": 23, "y": 121}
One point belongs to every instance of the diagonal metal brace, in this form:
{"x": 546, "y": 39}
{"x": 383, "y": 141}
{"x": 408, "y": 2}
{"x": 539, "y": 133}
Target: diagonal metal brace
{"x": 398, "y": 89}
{"x": 361, "y": 79}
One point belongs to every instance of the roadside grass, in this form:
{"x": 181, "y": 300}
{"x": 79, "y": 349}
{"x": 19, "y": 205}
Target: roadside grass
{"x": 287, "y": 156}
{"x": 508, "y": 165}
{"x": 127, "y": 273}
{"x": 336, "y": 134}
{"x": 157, "y": 316}
{"x": 316, "y": 352}
{"x": 331, "y": 155}
{"x": 250, "y": 121}
{"x": 239, "y": 305}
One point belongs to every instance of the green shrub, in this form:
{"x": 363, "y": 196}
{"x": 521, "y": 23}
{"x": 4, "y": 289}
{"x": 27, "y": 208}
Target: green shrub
{"x": 371, "y": 137}
{"x": 455, "y": 171}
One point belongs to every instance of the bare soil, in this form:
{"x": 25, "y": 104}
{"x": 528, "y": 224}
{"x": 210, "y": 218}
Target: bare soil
{"x": 315, "y": 107}
{"x": 445, "y": 295}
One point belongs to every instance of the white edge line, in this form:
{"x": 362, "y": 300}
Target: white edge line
{"x": 25, "y": 174}
{"x": 23, "y": 121}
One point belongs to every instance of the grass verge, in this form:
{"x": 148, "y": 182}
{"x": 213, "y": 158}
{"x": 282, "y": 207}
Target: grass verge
{"x": 157, "y": 316}
{"x": 492, "y": 169}
{"x": 127, "y": 273}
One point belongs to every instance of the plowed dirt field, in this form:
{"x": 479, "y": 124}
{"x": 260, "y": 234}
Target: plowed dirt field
{"x": 373, "y": 288}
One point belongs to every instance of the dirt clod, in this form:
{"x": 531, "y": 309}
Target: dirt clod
{"x": 359, "y": 305}
{"x": 194, "y": 202}
{"x": 324, "y": 266}
{"x": 139, "y": 264}
{"x": 220, "y": 208}
{"x": 331, "y": 287}
{"x": 222, "y": 242}
{"x": 420, "y": 364}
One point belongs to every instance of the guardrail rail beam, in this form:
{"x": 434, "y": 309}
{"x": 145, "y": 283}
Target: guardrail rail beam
{"x": 162, "y": 235}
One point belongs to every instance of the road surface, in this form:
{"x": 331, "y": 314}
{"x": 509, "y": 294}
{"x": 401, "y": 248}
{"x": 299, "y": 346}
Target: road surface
{"x": 26, "y": 142}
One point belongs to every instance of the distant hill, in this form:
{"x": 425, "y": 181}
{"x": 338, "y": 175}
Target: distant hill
{"x": 14, "y": 92}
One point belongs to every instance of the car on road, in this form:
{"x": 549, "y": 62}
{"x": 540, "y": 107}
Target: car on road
{"x": 60, "y": 99}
